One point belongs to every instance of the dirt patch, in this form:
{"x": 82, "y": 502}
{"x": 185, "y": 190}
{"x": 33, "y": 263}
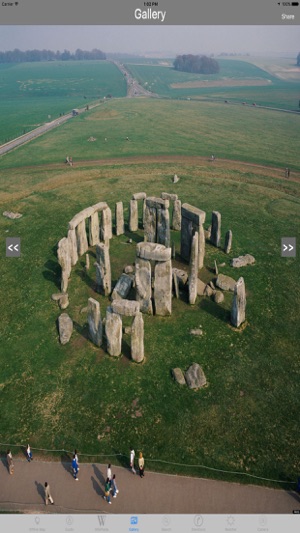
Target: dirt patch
{"x": 220, "y": 83}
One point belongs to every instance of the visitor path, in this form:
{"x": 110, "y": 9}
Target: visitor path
{"x": 155, "y": 493}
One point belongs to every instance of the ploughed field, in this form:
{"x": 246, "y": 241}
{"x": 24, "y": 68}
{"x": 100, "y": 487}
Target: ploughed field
{"x": 61, "y": 397}
{"x": 237, "y": 81}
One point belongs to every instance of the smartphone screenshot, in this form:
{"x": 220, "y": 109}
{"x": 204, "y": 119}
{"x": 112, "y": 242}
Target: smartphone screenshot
{"x": 150, "y": 226}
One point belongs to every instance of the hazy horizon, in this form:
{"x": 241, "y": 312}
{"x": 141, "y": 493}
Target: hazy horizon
{"x": 156, "y": 40}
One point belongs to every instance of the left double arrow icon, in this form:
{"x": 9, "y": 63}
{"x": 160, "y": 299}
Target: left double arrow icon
{"x": 13, "y": 247}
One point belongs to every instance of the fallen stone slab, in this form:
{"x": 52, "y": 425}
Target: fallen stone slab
{"x": 182, "y": 276}
{"x": 169, "y": 196}
{"x": 122, "y": 287}
{"x": 196, "y": 332}
{"x": 139, "y": 196}
{"x": 200, "y": 287}
{"x": 242, "y": 260}
{"x": 208, "y": 291}
{"x": 218, "y": 297}
{"x": 153, "y": 251}
{"x": 65, "y": 328}
{"x": 57, "y": 296}
{"x": 63, "y": 302}
{"x": 11, "y": 215}
{"x": 178, "y": 376}
{"x": 226, "y": 283}
{"x": 125, "y": 307}
{"x": 195, "y": 377}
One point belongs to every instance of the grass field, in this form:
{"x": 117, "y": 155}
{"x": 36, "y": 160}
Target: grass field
{"x": 29, "y": 92}
{"x": 56, "y": 396}
{"x": 167, "y": 127}
{"x": 278, "y": 93}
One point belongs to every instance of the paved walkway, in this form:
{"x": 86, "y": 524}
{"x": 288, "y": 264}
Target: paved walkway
{"x": 155, "y": 493}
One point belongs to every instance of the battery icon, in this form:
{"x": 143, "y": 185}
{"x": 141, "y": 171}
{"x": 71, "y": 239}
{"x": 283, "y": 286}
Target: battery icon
{"x": 295, "y": 3}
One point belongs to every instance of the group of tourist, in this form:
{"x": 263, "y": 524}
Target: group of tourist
{"x": 110, "y": 484}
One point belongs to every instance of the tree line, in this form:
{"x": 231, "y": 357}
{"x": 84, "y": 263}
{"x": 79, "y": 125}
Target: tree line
{"x": 298, "y": 60}
{"x": 197, "y": 64}
{"x": 18, "y": 56}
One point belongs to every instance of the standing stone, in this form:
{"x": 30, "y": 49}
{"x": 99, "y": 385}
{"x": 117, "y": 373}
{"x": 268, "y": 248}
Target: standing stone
{"x": 173, "y": 250}
{"x": 238, "y": 310}
{"x": 228, "y": 241}
{"x": 175, "y": 178}
{"x": 82, "y": 242}
{"x": 73, "y": 246}
{"x": 94, "y": 322}
{"x": 176, "y": 218}
{"x": 103, "y": 271}
{"x": 65, "y": 328}
{"x": 175, "y": 282}
{"x": 106, "y": 226}
{"x": 119, "y": 219}
{"x": 64, "y": 259}
{"x": 113, "y": 331}
{"x": 133, "y": 216}
{"x": 87, "y": 262}
{"x": 193, "y": 272}
{"x": 137, "y": 338}
{"x": 122, "y": 287}
{"x": 94, "y": 229}
{"x": 192, "y": 219}
{"x": 216, "y": 268}
{"x": 201, "y": 246}
{"x": 215, "y": 237}
{"x": 163, "y": 288}
{"x": 150, "y": 224}
{"x": 144, "y": 211}
{"x": 163, "y": 226}
{"x": 143, "y": 285}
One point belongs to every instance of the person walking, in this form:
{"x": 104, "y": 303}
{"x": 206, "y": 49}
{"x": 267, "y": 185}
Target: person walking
{"x": 114, "y": 487}
{"x": 108, "y": 473}
{"x": 132, "y": 456}
{"x": 76, "y": 457}
{"x": 10, "y": 463}
{"x": 48, "y": 497}
{"x": 141, "y": 465}
{"x": 107, "y": 491}
{"x": 75, "y": 467}
{"x": 29, "y": 453}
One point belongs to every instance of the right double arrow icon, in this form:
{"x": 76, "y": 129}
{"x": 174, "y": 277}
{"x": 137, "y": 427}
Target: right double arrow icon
{"x": 288, "y": 247}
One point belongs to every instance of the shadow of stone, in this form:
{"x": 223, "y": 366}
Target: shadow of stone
{"x": 84, "y": 276}
{"x": 40, "y": 490}
{"x": 215, "y": 310}
{"x": 97, "y": 487}
{"x": 134, "y": 236}
{"x": 53, "y": 278}
{"x": 126, "y": 349}
{"x": 82, "y": 330}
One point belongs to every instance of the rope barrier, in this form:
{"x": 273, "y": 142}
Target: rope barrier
{"x": 149, "y": 460}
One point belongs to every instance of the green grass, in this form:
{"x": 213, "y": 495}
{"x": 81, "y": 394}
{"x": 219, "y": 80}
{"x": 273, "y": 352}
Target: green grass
{"x": 158, "y": 127}
{"x": 29, "y": 92}
{"x": 63, "y": 397}
{"x": 280, "y": 93}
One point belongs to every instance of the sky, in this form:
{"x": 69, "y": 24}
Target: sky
{"x": 255, "y": 40}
